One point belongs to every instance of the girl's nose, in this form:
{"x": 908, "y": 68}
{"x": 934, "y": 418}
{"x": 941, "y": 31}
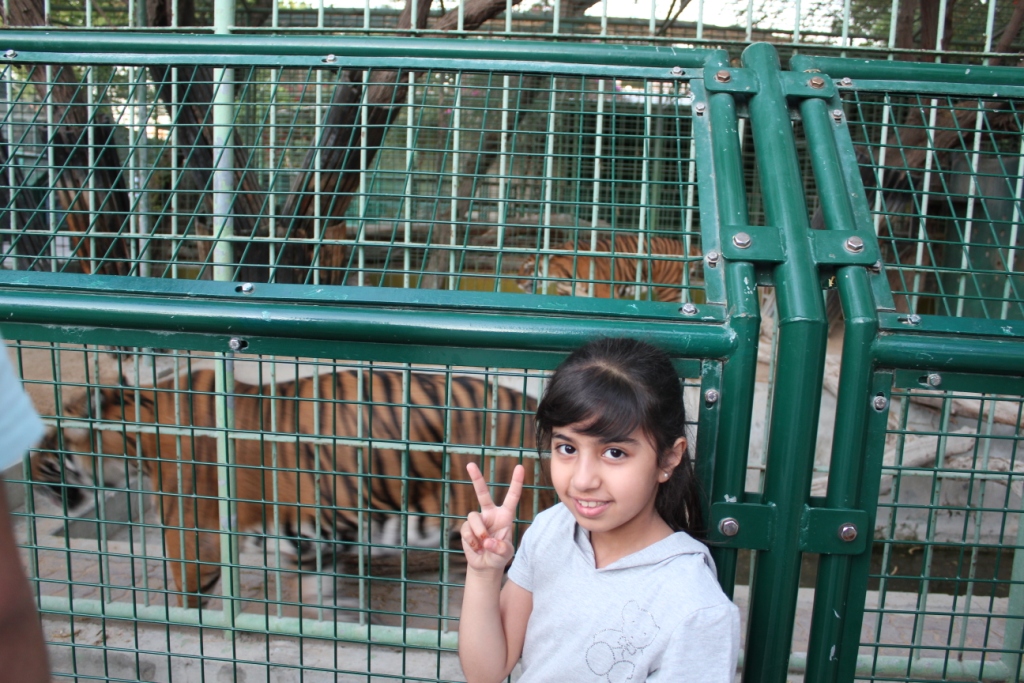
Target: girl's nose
{"x": 585, "y": 475}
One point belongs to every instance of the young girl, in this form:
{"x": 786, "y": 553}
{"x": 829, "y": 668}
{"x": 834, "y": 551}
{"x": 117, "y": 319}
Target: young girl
{"x": 607, "y": 585}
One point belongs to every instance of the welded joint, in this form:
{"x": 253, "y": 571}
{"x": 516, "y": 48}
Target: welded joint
{"x": 730, "y": 80}
{"x": 844, "y": 248}
{"x": 803, "y": 85}
{"x": 753, "y": 243}
{"x": 742, "y": 525}
{"x": 833, "y": 531}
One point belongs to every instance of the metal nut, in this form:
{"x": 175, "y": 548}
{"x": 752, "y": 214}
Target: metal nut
{"x": 712, "y": 258}
{"x": 729, "y": 526}
{"x": 816, "y": 82}
{"x": 837, "y": 114}
{"x": 247, "y": 288}
{"x": 846, "y": 82}
{"x": 723, "y": 76}
{"x": 235, "y": 344}
{"x": 330, "y": 59}
{"x": 677, "y": 71}
{"x": 700, "y": 108}
{"x": 913, "y": 319}
{"x": 934, "y": 379}
{"x": 10, "y": 54}
{"x": 848, "y": 532}
{"x": 711, "y": 397}
{"x": 741, "y": 240}
{"x": 688, "y": 309}
{"x": 879, "y": 403}
{"x": 854, "y": 245}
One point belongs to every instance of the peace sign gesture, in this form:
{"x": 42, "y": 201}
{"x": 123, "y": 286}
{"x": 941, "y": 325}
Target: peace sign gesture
{"x": 485, "y": 534}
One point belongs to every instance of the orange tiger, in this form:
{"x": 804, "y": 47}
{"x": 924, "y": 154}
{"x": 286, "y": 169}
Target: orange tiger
{"x": 189, "y": 486}
{"x": 572, "y": 275}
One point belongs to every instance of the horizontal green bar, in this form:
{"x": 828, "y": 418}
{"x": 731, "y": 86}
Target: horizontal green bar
{"x": 393, "y": 49}
{"x": 952, "y": 353}
{"x": 932, "y": 668}
{"x": 958, "y": 90}
{"x": 942, "y": 324}
{"x": 339, "y": 630}
{"x": 413, "y": 325}
{"x": 838, "y": 67}
{"x": 958, "y": 382}
{"x": 439, "y": 299}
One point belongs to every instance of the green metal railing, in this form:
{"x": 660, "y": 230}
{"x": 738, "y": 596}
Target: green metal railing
{"x": 256, "y": 256}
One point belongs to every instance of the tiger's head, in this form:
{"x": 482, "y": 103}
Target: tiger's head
{"x": 72, "y": 462}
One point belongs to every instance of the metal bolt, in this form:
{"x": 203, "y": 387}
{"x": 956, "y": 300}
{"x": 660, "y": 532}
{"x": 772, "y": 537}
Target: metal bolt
{"x": 723, "y": 76}
{"x": 247, "y": 288}
{"x": 700, "y": 107}
{"x": 879, "y": 403}
{"x": 848, "y": 532}
{"x": 846, "y": 82}
{"x": 741, "y": 240}
{"x": 330, "y": 59}
{"x": 711, "y": 397}
{"x": 677, "y": 71}
{"x": 235, "y": 344}
{"x": 712, "y": 259}
{"x": 913, "y": 319}
{"x": 934, "y": 379}
{"x": 854, "y": 245}
{"x": 837, "y": 114}
{"x": 816, "y": 82}
{"x": 688, "y": 309}
{"x": 10, "y": 54}
{"x": 729, "y": 526}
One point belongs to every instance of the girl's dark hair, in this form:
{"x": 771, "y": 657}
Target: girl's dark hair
{"x": 615, "y": 386}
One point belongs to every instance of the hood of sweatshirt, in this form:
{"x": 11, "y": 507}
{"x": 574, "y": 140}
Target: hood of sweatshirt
{"x": 679, "y": 543}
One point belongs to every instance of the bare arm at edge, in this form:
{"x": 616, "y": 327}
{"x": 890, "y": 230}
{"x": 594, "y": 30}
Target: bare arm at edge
{"x": 22, "y": 648}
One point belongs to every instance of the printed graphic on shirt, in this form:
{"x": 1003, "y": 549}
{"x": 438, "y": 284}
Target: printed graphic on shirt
{"x": 613, "y": 654}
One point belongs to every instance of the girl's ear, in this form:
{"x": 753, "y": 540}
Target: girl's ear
{"x": 674, "y": 456}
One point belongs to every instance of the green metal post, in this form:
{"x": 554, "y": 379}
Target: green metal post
{"x": 802, "y": 337}
{"x": 831, "y": 596}
{"x": 724, "y": 204}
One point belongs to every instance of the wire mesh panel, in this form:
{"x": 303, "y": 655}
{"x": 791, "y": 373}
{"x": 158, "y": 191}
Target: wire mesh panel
{"x": 936, "y": 150}
{"x": 944, "y": 598}
{"x": 323, "y": 540}
{"x": 432, "y": 178}
{"x": 270, "y": 371}
{"x": 943, "y": 175}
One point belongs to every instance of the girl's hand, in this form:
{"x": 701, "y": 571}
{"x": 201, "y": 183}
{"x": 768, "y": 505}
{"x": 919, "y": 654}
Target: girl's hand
{"x": 485, "y": 534}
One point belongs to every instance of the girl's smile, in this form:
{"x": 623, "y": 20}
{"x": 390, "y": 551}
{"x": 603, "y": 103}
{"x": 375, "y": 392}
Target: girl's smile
{"x": 610, "y": 488}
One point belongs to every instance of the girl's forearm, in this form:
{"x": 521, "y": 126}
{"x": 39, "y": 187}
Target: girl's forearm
{"x": 483, "y": 646}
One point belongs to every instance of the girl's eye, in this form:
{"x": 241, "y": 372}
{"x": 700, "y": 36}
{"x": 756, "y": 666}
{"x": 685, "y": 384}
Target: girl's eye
{"x": 615, "y": 454}
{"x": 565, "y": 449}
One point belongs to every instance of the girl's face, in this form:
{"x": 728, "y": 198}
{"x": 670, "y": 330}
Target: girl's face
{"x": 610, "y": 486}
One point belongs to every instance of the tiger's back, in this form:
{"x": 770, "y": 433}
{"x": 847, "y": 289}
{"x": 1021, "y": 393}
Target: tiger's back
{"x": 617, "y": 276}
{"x": 375, "y": 457}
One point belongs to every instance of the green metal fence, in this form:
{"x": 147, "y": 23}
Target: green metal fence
{"x": 288, "y": 289}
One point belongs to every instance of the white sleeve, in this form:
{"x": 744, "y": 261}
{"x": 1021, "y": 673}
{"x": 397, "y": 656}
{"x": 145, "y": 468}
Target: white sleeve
{"x": 20, "y": 427}
{"x": 704, "y": 647}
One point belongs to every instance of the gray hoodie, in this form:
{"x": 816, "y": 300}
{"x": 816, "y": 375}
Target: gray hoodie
{"x": 656, "y": 615}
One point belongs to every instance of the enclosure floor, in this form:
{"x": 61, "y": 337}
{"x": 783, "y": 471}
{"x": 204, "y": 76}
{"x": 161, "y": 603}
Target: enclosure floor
{"x": 121, "y": 650}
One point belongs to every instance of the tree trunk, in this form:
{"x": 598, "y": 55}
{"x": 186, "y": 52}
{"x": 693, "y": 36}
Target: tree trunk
{"x": 109, "y": 208}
